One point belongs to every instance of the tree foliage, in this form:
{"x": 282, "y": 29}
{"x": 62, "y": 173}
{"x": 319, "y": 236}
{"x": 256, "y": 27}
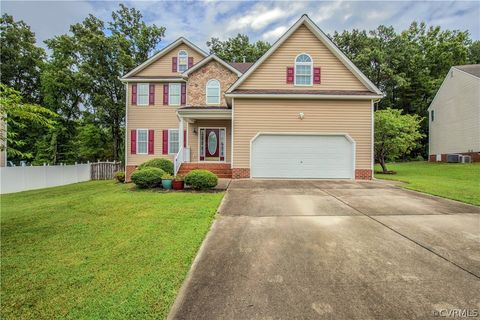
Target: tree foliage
{"x": 395, "y": 134}
{"x": 16, "y": 115}
{"x": 238, "y": 49}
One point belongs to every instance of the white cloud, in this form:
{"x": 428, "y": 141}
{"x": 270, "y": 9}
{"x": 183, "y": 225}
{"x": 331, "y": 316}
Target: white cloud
{"x": 274, "y": 34}
{"x": 257, "y": 19}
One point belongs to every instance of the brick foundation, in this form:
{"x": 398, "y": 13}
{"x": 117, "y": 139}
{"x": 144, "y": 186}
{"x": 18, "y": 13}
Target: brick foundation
{"x": 222, "y": 170}
{"x": 240, "y": 173}
{"x": 129, "y": 172}
{"x": 363, "y": 174}
{"x": 475, "y": 156}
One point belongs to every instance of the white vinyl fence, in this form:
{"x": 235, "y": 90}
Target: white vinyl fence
{"x": 15, "y": 179}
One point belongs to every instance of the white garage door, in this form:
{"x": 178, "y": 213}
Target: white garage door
{"x": 302, "y": 156}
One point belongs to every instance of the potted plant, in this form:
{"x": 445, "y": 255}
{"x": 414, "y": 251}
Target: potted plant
{"x": 178, "y": 183}
{"x": 167, "y": 181}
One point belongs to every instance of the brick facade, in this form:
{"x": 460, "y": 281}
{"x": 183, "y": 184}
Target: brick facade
{"x": 363, "y": 174}
{"x": 129, "y": 172}
{"x": 475, "y": 156}
{"x": 240, "y": 173}
{"x": 197, "y": 82}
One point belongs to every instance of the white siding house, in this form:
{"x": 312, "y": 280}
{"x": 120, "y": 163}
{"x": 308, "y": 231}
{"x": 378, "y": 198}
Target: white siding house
{"x": 454, "y": 115}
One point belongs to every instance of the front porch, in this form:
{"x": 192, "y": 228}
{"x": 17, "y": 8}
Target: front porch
{"x": 207, "y": 140}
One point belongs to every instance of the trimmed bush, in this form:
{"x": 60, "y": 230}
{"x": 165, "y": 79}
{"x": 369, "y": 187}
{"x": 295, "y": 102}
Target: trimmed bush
{"x": 164, "y": 164}
{"x": 201, "y": 179}
{"x": 148, "y": 177}
{"x": 119, "y": 176}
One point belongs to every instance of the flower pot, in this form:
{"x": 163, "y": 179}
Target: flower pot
{"x": 167, "y": 184}
{"x": 178, "y": 185}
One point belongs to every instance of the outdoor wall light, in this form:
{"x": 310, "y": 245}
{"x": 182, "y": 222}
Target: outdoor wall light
{"x": 194, "y": 130}
{"x": 301, "y": 115}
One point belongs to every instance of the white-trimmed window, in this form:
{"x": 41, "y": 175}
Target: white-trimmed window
{"x": 303, "y": 70}
{"x": 213, "y": 91}
{"x": 182, "y": 61}
{"x": 172, "y": 141}
{"x": 142, "y": 141}
{"x": 174, "y": 93}
{"x": 142, "y": 94}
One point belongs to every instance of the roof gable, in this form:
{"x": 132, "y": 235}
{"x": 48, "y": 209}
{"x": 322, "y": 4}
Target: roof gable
{"x": 179, "y": 42}
{"x": 211, "y": 57}
{"x": 302, "y": 25}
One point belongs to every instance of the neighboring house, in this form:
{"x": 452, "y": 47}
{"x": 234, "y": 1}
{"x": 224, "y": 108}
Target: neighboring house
{"x": 3, "y": 143}
{"x": 454, "y": 115}
{"x": 303, "y": 110}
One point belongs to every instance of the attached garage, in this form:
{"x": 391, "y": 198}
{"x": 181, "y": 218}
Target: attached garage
{"x": 302, "y": 156}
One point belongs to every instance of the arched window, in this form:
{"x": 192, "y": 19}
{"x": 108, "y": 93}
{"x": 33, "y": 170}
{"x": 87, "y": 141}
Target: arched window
{"x": 182, "y": 61}
{"x": 303, "y": 70}
{"x": 213, "y": 91}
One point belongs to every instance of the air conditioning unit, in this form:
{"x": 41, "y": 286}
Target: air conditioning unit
{"x": 455, "y": 158}
{"x": 466, "y": 159}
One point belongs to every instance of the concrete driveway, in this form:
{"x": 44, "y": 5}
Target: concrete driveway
{"x": 334, "y": 250}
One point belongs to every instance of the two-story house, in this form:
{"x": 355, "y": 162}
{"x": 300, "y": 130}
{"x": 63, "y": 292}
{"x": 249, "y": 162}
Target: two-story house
{"x": 303, "y": 110}
{"x": 454, "y": 115}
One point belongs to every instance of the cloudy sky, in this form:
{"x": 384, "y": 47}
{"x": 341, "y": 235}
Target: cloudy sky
{"x": 266, "y": 20}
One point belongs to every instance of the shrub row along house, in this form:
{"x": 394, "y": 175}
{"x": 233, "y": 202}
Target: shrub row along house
{"x": 303, "y": 110}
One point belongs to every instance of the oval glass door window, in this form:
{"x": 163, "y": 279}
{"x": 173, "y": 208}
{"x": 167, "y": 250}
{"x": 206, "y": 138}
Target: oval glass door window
{"x": 212, "y": 143}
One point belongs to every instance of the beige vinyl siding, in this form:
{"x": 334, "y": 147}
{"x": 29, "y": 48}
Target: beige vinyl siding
{"x": 157, "y": 117}
{"x": 271, "y": 74}
{"x": 353, "y": 117}
{"x": 193, "y": 138}
{"x": 163, "y": 66}
{"x": 456, "y": 128}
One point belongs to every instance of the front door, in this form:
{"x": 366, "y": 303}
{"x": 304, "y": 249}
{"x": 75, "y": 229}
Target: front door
{"x": 212, "y": 144}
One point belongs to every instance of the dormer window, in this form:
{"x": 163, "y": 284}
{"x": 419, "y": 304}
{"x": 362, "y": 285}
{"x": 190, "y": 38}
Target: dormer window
{"x": 303, "y": 70}
{"x": 182, "y": 61}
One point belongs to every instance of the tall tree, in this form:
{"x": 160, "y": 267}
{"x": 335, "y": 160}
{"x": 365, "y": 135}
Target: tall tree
{"x": 17, "y": 114}
{"x": 84, "y": 72}
{"x": 474, "y": 52}
{"x": 238, "y": 49}
{"x": 20, "y": 58}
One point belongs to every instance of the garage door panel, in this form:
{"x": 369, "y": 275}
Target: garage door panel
{"x": 302, "y": 156}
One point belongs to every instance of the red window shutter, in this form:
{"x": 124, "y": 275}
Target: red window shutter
{"x": 317, "y": 79}
{"x": 165, "y": 142}
{"x": 133, "y": 141}
{"x": 184, "y": 138}
{"x": 174, "y": 64}
{"x": 151, "y": 138}
{"x": 184, "y": 94}
{"x": 290, "y": 74}
{"x": 190, "y": 62}
{"x": 165, "y": 94}
{"x": 134, "y": 94}
{"x": 151, "y": 95}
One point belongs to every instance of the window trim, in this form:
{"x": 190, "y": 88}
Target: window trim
{"x": 138, "y": 140}
{"x": 138, "y": 94}
{"x": 170, "y": 94}
{"x": 169, "y": 140}
{"x": 178, "y": 60}
{"x": 303, "y": 64}
{"x": 219, "y": 93}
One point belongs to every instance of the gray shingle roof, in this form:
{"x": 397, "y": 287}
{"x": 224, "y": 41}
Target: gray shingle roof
{"x": 473, "y": 69}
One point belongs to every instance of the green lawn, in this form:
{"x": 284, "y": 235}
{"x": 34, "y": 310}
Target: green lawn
{"x": 98, "y": 250}
{"x": 450, "y": 180}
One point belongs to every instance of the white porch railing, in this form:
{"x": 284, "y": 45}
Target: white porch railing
{"x": 183, "y": 155}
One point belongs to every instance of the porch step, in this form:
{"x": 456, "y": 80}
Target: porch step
{"x": 222, "y": 170}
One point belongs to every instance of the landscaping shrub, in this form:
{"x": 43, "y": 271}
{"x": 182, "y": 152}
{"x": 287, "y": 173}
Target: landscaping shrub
{"x": 119, "y": 176}
{"x": 201, "y": 179}
{"x": 148, "y": 177}
{"x": 164, "y": 164}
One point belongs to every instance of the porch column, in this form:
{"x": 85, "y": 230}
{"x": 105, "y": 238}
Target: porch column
{"x": 181, "y": 133}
